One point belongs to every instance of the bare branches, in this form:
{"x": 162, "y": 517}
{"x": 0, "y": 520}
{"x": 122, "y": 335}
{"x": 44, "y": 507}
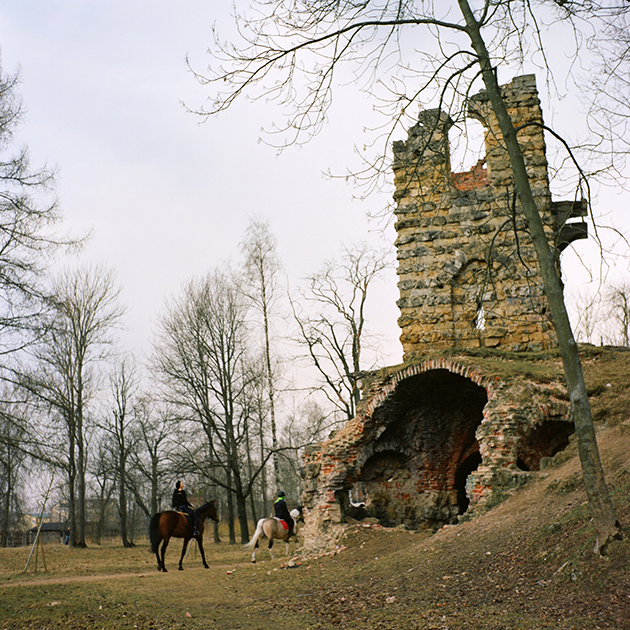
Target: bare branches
{"x": 334, "y": 336}
{"x": 27, "y": 238}
{"x": 292, "y": 52}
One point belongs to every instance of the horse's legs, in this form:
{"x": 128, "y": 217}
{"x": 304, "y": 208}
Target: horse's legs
{"x": 254, "y": 554}
{"x": 157, "y": 555}
{"x": 203, "y": 555}
{"x": 181, "y": 568}
{"x": 163, "y": 551}
{"x": 270, "y": 549}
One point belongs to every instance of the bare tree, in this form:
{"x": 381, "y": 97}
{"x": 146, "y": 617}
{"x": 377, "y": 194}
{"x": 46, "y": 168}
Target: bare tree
{"x": 260, "y": 279}
{"x": 586, "y": 307}
{"x": 293, "y": 38}
{"x": 13, "y": 433}
{"x": 119, "y": 425}
{"x": 618, "y": 301}
{"x": 28, "y": 220}
{"x": 150, "y": 459}
{"x": 102, "y": 473}
{"x": 201, "y": 360}
{"x": 27, "y": 239}
{"x": 334, "y": 337}
{"x": 607, "y": 88}
{"x": 86, "y": 312}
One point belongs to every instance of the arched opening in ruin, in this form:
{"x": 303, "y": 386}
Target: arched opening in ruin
{"x": 469, "y": 465}
{"x": 545, "y": 440}
{"x": 416, "y": 464}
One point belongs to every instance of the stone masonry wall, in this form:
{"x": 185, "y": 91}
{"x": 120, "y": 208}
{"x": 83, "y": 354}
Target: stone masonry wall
{"x": 468, "y": 274}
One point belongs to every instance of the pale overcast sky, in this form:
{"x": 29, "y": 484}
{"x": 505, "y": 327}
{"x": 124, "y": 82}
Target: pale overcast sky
{"x": 165, "y": 197}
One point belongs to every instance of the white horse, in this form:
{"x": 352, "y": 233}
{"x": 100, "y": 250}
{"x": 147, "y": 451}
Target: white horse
{"x": 273, "y": 529}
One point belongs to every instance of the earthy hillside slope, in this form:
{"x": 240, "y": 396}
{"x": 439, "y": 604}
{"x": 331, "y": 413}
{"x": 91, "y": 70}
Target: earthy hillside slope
{"x": 526, "y": 564}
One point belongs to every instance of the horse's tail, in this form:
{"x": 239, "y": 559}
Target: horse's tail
{"x": 154, "y": 532}
{"x": 257, "y": 534}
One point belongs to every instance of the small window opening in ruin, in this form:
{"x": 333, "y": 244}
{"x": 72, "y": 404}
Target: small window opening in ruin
{"x": 480, "y": 321}
{"x": 547, "y": 439}
{"x": 469, "y": 465}
{"x": 468, "y": 155}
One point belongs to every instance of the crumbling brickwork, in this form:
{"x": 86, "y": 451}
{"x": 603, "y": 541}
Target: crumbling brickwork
{"x": 430, "y": 442}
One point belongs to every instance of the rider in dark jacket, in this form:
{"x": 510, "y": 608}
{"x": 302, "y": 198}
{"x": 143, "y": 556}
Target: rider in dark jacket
{"x": 282, "y": 511}
{"x": 180, "y": 502}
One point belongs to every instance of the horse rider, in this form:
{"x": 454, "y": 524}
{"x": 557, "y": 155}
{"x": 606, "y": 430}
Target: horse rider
{"x": 282, "y": 512}
{"x": 182, "y": 504}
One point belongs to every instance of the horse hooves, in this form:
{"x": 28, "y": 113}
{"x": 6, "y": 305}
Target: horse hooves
{"x": 205, "y": 566}
{"x": 180, "y": 569}
{"x": 253, "y": 561}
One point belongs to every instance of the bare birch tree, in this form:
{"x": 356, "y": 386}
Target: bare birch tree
{"x": 260, "y": 285}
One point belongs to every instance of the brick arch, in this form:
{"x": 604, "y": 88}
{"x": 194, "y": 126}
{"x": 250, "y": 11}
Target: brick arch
{"x": 375, "y": 398}
{"x": 420, "y": 428}
{"x": 369, "y": 459}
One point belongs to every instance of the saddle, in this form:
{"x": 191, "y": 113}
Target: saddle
{"x": 284, "y": 524}
{"x": 189, "y": 517}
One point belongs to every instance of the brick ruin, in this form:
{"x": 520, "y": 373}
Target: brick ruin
{"x": 468, "y": 274}
{"x": 436, "y": 438}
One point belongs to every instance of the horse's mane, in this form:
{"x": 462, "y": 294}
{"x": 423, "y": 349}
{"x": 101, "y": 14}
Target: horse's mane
{"x": 201, "y": 509}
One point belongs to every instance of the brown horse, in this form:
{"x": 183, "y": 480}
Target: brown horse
{"x": 166, "y": 525}
{"x": 273, "y": 529}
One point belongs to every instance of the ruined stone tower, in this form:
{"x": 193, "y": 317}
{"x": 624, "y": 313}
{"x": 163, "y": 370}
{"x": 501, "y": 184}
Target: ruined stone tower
{"x": 438, "y": 437}
{"x": 468, "y": 274}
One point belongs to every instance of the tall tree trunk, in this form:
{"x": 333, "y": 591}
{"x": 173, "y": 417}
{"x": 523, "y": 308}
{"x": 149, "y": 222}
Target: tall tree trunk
{"x": 241, "y": 508}
{"x": 81, "y": 468}
{"x": 250, "y": 471}
{"x": 263, "y": 472}
{"x": 6, "y": 508}
{"x": 122, "y": 508}
{"x": 271, "y": 394}
{"x": 230, "y": 507}
{"x": 72, "y": 468}
{"x": 155, "y": 508}
{"x": 600, "y": 504}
